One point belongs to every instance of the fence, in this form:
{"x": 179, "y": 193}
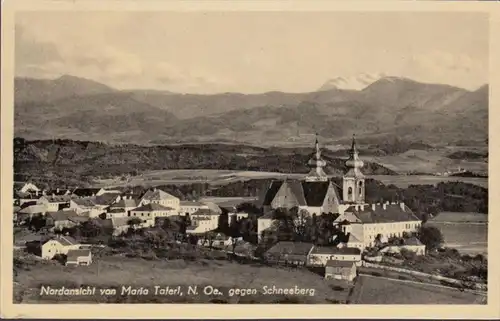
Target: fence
{"x": 477, "y": 286}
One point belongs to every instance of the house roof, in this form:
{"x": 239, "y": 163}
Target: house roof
{"x": 64, "y": 240}
{"x": 116, "y": 210}
{"x": 86, "y": 202}
{"x": 82, "y": 192}
{"x": 34, "y": 209}
{"x": 78, "y": 218}
{"x": 75, "y": 254}
{"x": 152, "y": 207}
{"x": 157, "y": 195}
{"x": 57, "y": 198}
{"x": 353, "y": 239}
{"x": 126, "y": 203}
{"x": 296, "y": 248}
{"x": 392, "y": 213}
{"x": 61, "y": 215}
{"x": 335, "y": 250}
{"x": 203, "y": 211}
{"x": 315, "y": 192}
{"x": 340, "y": 264}
{"x": 106, "y": 199}
{"x": 306, "y": 193}
{"x": 55, "y": 192}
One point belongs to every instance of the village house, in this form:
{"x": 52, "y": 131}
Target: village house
{"x": 57, "y": 192}
{"x": 152, "y": 211}
{"x": 320, "y": 255}
{"x": 116, "y": 212}
{"x": 295, "y": 253}
{"x": 64, "y": 219}
{"x": 411, "y": 244}
{"x": 26, "y": 187}
{"x": 236, "y": 216}
{"x": 120, "y": 225}
{"x": 88, "y": 192}
{"x": 54, "y": 203}
{"x": 125, "y": 204}
{"x": 340, "y": 270}
{"x": 32, "y": 210}
{"x": 79, "y": 257}
{"x": 157, "y": 196}
{"x": 203, "y": 220}
{"x": 87, "y": 205}
{"x": 191, "y": 207}
{"x": 60, "y": 245}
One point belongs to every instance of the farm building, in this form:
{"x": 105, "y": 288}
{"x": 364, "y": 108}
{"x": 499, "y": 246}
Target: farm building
{"x": 295, "y": 253}
{"x": 320, "y": 255}
{"x": 79, "y": 257}
{"x": 59, "y": 245}
{"x": 340, "y": 270}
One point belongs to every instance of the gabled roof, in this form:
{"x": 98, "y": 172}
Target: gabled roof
{"x": 335, "y": 250}
{"x": 125, "y": 203}
{"x": 296, "y": 248}
{"x": 315, "y": 192}
{"x": 73, "y": 255}
{"x": 106, "y": 199}
{"x": 82, "y": 192}
{"x": 86, "y": 202}
{"x": 34, "y": 209}
{"x": 157, "y": 195}
{"x": 64, "y": 240}
{"x": 306, "y": 193}
{"x": 57, "y": 198}
{"x": 392, "y": 213}
{"x": 61, "y": 215}
{"x": 151, "y": 207}
{"x": 340, "y": 264}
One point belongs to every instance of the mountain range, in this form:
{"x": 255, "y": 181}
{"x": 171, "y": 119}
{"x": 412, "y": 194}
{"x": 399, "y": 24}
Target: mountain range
{"x": 75, "y": 108}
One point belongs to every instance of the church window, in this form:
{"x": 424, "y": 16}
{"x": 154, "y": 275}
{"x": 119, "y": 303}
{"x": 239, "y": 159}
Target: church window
{"x": 360, "y": 188}
{"x": 349, "y": 192}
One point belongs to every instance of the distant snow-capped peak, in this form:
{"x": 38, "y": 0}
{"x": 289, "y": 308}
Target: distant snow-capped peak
{"x": 356, "y": 82}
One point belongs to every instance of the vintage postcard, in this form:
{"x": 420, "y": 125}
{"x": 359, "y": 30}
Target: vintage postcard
{"x": 332, "y": 156}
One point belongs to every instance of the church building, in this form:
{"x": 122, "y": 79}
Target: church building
{"x": 315, "y": 194}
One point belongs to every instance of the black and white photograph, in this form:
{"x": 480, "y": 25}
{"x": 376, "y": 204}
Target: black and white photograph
{"x": 250, "y": 157}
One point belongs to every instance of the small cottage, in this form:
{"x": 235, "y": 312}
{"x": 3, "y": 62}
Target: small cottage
{"x": 340, "y": 270}
{"x": 79, "y": 257}
{"x": 320, "y": 255}
{"x": 59, "y": 245}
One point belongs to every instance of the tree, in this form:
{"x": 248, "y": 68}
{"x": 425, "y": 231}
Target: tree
{"x": 134, "y": 223}
{"x": 223, "y": 223}
{"x": 431, "y": 237}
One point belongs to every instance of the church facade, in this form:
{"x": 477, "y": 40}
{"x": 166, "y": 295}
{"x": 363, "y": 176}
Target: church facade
{"x": 315, "y": 194}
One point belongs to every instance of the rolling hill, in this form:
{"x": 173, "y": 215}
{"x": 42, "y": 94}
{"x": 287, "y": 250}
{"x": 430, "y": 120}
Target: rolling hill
{"x": 75, "y": 108}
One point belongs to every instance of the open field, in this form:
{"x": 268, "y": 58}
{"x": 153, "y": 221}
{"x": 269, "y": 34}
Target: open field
{"x": 458, "y": 217}
{"x": 219, "y": 177}
{"x": 468, "y": 238}
{"x": 115, "y": 271}
{"x": 428, "y": 161}
{"x": 379, "y": 290}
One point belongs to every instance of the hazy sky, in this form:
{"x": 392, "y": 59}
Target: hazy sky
{"x": 251, "y": 51}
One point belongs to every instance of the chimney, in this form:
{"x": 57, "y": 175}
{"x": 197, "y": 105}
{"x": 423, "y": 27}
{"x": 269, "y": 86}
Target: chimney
{"x": 362, "y": 207}
{"x": 373, "y": 207}
{"x": 356, "y": 207}
{"x": 384, "y": 206}
{"x": 57, "y": 190}
{"x": 402, "y": 205}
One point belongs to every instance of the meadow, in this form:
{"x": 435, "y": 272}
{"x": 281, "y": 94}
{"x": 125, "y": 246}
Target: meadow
{"x": 115, "y": 271}
{"x": 221, "y": 177}
{"x": 466, "y": 232}
{"x": 379, "y": 290}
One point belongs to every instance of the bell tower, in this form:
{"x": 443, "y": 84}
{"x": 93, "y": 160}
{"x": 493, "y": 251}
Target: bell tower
{"x": 354, "y": 181}
{"x": 317, "y": 163}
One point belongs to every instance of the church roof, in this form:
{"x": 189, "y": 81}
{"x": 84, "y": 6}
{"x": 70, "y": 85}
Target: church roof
{"x": 306, "y": 193}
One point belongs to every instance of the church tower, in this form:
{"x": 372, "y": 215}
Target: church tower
{"x": 317, "y": 174}
{"x": 354, "y": 180}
